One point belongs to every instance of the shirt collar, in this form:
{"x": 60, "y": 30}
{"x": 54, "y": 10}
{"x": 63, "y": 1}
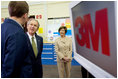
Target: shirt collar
{"x": 31, "y": 36}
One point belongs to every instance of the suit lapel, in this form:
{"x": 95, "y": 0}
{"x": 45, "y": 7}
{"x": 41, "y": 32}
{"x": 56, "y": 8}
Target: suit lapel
{"x": 38, "y": 44}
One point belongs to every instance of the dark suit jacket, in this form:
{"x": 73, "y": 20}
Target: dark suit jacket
{"x": 37, "y": 70}
{"x": 15, "y": 59}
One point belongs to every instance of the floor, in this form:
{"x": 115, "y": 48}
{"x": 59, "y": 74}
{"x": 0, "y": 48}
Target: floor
{"x": 51, "y": 71}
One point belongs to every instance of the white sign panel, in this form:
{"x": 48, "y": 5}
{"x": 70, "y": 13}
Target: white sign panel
{"x": 94, "y": 34}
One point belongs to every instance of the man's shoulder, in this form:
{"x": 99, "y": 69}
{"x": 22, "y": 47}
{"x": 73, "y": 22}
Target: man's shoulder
{"x": 11, "y": 26}
{"x": 40, "y": 37}
{"x": 9, "y": 21}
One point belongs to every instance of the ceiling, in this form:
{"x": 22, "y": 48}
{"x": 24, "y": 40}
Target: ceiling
{"x": 4, "y": 4}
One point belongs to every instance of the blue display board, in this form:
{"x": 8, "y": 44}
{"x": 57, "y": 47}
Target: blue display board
{"x": 49, "y": 55}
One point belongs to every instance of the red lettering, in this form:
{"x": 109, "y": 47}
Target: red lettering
{"x": 80, "y": 30}
{"x": 101, "y": 23}
{"x": 101, "y": 27}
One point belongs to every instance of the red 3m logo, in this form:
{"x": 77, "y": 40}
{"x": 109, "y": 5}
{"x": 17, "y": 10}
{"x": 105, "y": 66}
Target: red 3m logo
{"x": 86, "y": 28}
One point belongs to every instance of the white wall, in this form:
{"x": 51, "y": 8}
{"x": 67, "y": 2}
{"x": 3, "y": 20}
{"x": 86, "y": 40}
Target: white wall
{"x": 58, "y": 9}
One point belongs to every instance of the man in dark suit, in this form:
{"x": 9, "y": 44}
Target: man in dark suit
{"x": 36, "y": 46}
{"x": 15, "y": 59}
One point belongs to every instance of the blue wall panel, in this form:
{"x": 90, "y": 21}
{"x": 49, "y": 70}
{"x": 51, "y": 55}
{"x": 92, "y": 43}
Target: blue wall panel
{"x": 49, "y": 55}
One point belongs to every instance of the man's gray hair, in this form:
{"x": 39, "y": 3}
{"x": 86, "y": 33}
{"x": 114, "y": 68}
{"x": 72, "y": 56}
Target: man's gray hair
{"x": 31, "y": 20}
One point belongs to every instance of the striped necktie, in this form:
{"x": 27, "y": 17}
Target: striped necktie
{"x": 34, "y": 47}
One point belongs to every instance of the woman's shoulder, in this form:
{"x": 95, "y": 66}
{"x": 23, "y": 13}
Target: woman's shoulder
{"x": 69, "y": 38}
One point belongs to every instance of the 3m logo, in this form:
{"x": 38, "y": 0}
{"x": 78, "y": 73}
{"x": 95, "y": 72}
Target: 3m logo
{"x": 86, "y": 28}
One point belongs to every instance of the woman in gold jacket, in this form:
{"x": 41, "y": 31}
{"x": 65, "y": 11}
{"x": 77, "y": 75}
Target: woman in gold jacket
{"x": 63, "y": 48}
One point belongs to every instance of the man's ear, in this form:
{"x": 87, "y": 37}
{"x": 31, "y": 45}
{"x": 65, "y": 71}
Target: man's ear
{"x": 37, "y": 29}
{"x": 25, "y": 16}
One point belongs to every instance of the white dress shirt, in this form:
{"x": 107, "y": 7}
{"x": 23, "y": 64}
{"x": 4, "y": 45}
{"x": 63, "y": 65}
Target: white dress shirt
{"x": 30, "y": 37}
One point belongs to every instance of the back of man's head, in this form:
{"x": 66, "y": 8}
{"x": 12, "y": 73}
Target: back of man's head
{"x": 18, "y": 8}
